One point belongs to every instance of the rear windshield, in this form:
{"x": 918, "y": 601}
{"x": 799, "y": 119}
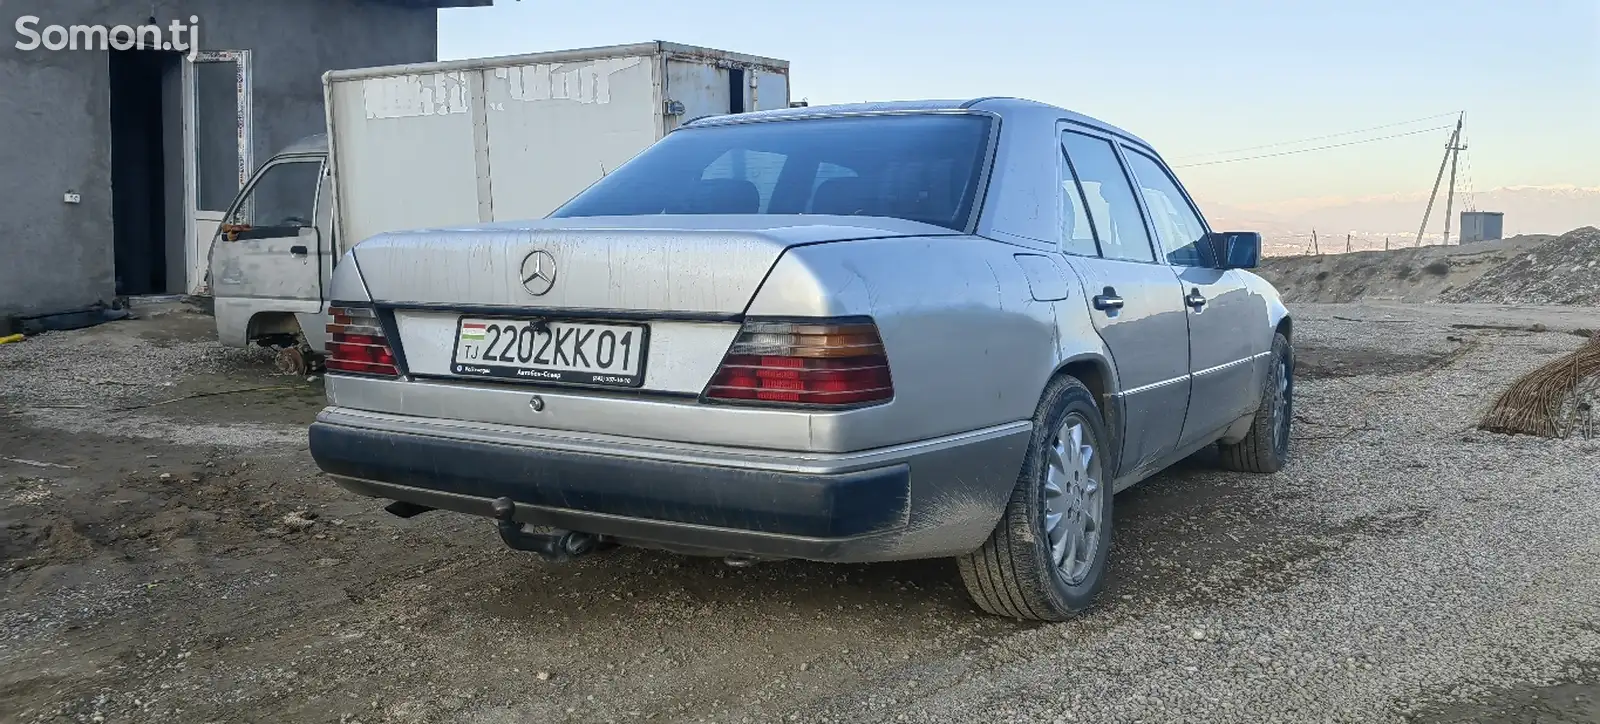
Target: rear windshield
{"x": 919, "y": 167}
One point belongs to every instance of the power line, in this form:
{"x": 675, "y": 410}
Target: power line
{"x": 1469, "y": 190}
{"x": 1320, "y": 138}
{"x": 1314, "y": 148}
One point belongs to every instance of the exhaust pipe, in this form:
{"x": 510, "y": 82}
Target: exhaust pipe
{"x": 556, "y": 547}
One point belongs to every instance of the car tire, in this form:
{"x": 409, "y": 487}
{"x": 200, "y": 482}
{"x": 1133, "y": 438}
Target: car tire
{"x": 1265, "y": 449}
{"x": 1061, "y": 507}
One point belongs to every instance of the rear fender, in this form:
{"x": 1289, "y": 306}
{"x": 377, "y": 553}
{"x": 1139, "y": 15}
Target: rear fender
{"x": 951, "y": 310}
{"x": 347, "y": 284}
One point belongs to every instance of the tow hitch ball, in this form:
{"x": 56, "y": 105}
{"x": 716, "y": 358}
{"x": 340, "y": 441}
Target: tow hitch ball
{"x": 559, "y": 546}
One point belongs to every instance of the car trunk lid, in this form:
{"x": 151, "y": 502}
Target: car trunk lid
{"x": 684, "y": 266}
{"x": 657, "y": 299}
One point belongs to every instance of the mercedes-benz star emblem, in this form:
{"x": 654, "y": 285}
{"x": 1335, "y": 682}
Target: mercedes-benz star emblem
{"x": 538, "y": 272}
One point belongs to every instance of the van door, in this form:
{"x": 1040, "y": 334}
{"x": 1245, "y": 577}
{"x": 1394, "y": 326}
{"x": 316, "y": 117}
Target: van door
{"x": 269, "y": 252}
{"x": 218, "y": 136}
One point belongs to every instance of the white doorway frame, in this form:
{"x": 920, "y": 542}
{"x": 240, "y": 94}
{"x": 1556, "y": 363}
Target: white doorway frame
{"x": 200, "y": 227}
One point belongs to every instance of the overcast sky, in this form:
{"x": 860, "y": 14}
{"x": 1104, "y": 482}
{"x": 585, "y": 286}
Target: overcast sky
{"x": 1193, "y": 77}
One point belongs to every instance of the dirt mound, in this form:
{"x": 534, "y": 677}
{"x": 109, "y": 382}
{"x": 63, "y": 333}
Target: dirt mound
{"x": 1565, "y": 270}
{"x": 1531, "y": 269}
{"x": 53, "y": 538}
{"x": 1414, "y": 274}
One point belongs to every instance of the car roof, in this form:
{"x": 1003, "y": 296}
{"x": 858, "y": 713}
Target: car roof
{"x": 1000, "y": 105}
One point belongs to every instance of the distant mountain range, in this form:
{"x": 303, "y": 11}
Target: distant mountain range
{"x": 1527, "y": 209}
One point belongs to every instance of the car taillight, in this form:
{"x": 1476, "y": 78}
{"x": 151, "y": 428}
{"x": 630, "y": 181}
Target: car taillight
{"x": 356, "y": 343}
{"x": 823, "y": 362}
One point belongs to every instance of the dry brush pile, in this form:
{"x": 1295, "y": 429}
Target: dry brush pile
{"x": 1555, "y": 400}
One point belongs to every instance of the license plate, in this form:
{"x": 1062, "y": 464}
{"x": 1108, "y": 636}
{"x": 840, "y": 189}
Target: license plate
{"x": 553, "y": 351}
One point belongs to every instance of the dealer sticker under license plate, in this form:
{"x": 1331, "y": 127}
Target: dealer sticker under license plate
{"x": 553, "y": 351}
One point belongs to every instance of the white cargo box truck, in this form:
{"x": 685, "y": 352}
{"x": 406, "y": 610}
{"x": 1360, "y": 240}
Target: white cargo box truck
{"x": 452, "y": 143}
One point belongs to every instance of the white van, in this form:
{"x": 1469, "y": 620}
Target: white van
{"x": 450, "y": 143}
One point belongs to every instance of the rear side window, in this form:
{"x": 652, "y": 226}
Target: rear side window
{"x": 1077, "y": 230}
{"x": 1112, "y": 207}
{"x": 924, "y": 168}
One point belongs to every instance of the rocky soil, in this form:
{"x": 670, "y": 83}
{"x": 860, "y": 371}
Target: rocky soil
{"x": 1565, "y": 270}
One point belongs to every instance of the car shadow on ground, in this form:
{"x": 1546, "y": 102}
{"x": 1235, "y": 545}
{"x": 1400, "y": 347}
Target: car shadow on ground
{"x": 1184, "y": 535}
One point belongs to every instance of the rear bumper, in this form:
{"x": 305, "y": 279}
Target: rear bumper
{"x": 930, "y": 499}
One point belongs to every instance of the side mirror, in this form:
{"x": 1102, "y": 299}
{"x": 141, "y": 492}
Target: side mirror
{"x": 1235, "y": 249}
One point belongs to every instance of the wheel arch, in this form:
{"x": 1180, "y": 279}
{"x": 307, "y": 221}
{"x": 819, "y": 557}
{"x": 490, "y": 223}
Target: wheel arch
{"x": 1097, "y": 373}
{"x": 264, "y": 325}
{"x": 1093, "y": 370}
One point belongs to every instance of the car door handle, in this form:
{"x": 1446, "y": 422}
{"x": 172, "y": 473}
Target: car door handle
{"x": 298, "y": 250}
{"x": 1107, "y": 300}
{"x": 1196, "y": 300}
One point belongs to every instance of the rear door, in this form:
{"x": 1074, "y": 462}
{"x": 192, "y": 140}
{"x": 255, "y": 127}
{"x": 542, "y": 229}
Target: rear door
{"x": 1134, "y": 298}
{"x": 1223, "y": 314}
{"x": 268, "y": 250}
{"x": 704, "y": 87}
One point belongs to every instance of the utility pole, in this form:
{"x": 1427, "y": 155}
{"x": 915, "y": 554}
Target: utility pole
{"x": 1317, "y": 250}
{"x": 1347, "y": 243}
{"x": 1385, "y": 243}
{"x": 1449, "y": 148}
{"x": 1456, "y": 147}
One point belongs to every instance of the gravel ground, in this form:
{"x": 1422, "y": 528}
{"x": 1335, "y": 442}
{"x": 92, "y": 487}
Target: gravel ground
{"x": 128, "y": 379}
{"x": 189, "y": 564}
{"x": 1457, "y": 564}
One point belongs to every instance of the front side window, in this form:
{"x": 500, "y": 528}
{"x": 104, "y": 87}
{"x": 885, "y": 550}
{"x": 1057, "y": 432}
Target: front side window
{"x": 1112, "y": 207}
{"x": 921, "y": 167}
{"x": 1178, "y": 228}
{"x": 284, "y": 197}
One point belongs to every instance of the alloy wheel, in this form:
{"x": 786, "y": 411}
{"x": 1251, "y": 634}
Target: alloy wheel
{"x": 1072, "y": 503}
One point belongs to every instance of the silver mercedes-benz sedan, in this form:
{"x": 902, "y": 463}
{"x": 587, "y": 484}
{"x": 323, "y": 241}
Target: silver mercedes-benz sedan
{"x": 851, "y": 333}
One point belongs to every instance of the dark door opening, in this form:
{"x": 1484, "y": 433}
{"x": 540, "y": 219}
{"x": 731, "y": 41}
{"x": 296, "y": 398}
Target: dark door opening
{"x": 139, "y": 165}
{"x": 736, "y": 90}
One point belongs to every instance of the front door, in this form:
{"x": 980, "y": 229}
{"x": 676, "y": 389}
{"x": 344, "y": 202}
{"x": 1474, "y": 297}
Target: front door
{"x": 1224, "y": 315}
{"x": 1133, "y": 297}
{"x": 269, "y": 252}
{"x": 218, "y": 160}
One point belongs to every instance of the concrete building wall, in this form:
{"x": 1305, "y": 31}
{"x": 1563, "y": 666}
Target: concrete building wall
{"x": 55, "y": 132}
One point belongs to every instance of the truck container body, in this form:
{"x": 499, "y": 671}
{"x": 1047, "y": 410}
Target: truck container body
{"x": 453, "y": 143}
{"x": 512, "y": 138}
